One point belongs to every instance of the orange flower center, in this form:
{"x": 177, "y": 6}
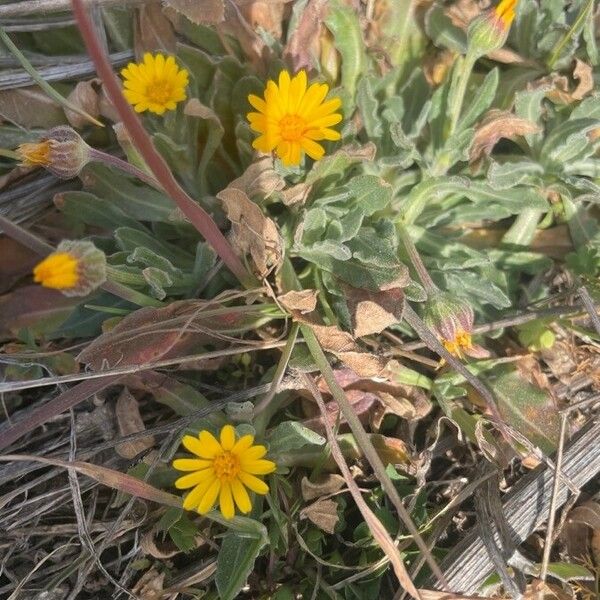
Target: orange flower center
{"x": 226, "y": 466}
{"x": 292, "y": 128}
{"x": 159, "y": 92}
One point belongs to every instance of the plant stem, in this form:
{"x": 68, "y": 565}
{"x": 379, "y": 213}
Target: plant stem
{"x": 367, "y": 447}
{"x": 201, "y": 220}
{"x": 457, "y": 98}
{"x": 115, "y": 161}
{"x": 416, "y": 260}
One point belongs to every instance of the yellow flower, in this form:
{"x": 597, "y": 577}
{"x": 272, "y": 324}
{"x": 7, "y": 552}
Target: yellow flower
{"x": 34, "y": 154}
{"x": 505, "y": 11}
{"x": 291, "y": 118}
{"x": 222, "y": 469}
{"x": 76, "y": 268}
{"x": 157, "y": 84}
{"x": 58, "y": 271}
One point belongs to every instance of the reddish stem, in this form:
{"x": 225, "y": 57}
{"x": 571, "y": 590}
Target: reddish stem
{"x": 201, "y": 220}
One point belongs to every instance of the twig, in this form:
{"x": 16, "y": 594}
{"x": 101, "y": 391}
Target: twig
{"x": 377, "y": 529}
{"x": 45, "y": 7}
{"x": 554, "y": 501}
{"x": 199, "y": 218}
{"x": 13, "y": 386}
{"x": 367, "y": 447}
{"x": 588, "y": 302}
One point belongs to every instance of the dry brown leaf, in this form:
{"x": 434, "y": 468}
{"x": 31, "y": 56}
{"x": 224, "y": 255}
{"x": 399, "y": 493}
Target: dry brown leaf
{"x": 252, "y": 232}
{"x": 391, "y": 450}
{"x": 495, "y": 125}
{"x": 266, "y": 15}
{"x": 130, "y": 421}
{"x": 363, "y": 363}
{"x": 583, "y": 73}
{"x": 89, "y": 96}
{"x": 30, "y": 107}
{"x": 363, "y": 404}
{"x": 259, "y": 179}
{"x": 323, "y": 513}
{"x": 253, "y": 45}
{"x": 158, "y": 547}
{"x": 438, "y": 595}
{"x": 436, "y": 66}
{"x": 304, "y": 301}
{"x": 297, "y": 195}
{"x": 199, "y": 12}
{"x": 324, "y": 486}
{"x": 372, "y": 312}
{"x": 153, "y": 31}
{"x": 150, "y": 585}
{"x": 303, "y": 48}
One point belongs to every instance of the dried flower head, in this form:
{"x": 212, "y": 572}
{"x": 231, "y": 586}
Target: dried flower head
{"x": 452, "y": 321}
{"x": 222, "y": 469}
{"x": 62, "y": 151}
{"x": 157, "y": 84}
{"x": 75, "y": 268}
{"x": 291, "y": 118}
{"x": 489, "y": 31}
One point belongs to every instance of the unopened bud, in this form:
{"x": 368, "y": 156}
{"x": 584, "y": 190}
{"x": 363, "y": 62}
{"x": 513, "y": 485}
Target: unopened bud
{"x": 451, "y": 319}
{"x": 488, "y": 32}
{"x": 62, "y": 151}
{"x": 75, "y": 268}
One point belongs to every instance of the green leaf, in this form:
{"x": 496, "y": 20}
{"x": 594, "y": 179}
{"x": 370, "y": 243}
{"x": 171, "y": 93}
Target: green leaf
{"x": 482, "y": 100}
{"x": 343, "y": 23}
{"x": 510, "y": 174}
{"x": 179, "y": 527}
{"x": 527, "y": 408}
{"x": 130, "y": 239}
{"x": 371, "y": 193}
{"x": 569, "y": 571}
{"x": 369, "y": 107}
{"x": 291, "y": 435}
{"x": 234, "y": 563}
{"x": 331, "y": 167}
{"x": 443, "y": 33}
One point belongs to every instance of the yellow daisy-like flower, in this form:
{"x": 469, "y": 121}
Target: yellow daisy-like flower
{"x": 222, "y": 469}
{"x": 291, "y": 118}
{"x": 34, "y": 154}
{"x": 59, "y": 271}
{"x": 157, "y": 84}
{"x": 505, "y": 12}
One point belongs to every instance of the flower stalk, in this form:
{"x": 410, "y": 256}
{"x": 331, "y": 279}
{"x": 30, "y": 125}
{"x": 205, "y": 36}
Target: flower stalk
{"x": 201, "y": 220}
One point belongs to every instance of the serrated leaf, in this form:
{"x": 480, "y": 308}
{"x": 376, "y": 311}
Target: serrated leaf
{"x": 369, "y": 108}
{"x": 292, "y": 435}
{"x": 234, "y": 563}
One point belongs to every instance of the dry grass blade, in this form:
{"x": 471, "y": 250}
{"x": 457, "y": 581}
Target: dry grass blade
{"x": 379, "y": 532}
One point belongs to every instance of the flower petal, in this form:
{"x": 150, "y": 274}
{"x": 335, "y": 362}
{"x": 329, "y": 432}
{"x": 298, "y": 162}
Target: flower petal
{"x": 241, "y": 497}
{"x": 191, "y": 464}
{"x": 227, "y": 437}
{"x": 297, "y": 91}
{"x": 314, "y": 150}
{"x": 243, "y": 444}
{"x": 254, "y": 453}
{"x": 254, "y": 483}
{"x": 193, "y": 498}
{"x": 209, "y": 497}
{"x": 258, "y": 103}
{"x": 188, "y": 481}
{"x": 226, "y": 501}
{"x": 209, "y": 442}
{"x": 258, "y": 467}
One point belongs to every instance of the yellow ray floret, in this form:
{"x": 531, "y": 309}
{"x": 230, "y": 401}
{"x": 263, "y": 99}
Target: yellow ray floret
{"x": 221, "y": 470}
{"x": 59, "y": 271}
{"x": 505, "y": 11}
{"x": 292, "y": 118}
{"x": 157, "y": 84}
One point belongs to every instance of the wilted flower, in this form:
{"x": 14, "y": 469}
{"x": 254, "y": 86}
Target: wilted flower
{"x": 75, "y": 268}
{"x": 62, "y": 151}
{"x": 157, "y": 84}
{"x": 291, "y": 118}
{"x": 223, "y": 469}
{"x": 452, "y": 320}
{"x": 489, "y": 31}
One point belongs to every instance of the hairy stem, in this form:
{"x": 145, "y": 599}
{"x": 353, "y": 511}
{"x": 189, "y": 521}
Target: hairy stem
{"x": 416, "y": 260}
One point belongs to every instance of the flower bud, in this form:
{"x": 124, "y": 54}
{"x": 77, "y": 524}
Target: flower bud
{"x": 62, "y": 151}
{"x": 488, "y": 32}
{"x": 75, "y": 268}
{"x": 452, "y": 320}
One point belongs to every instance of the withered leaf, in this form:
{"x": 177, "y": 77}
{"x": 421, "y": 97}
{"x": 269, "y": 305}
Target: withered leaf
{"x": 130, "y": 421}
{"x": 153, "y": 31}
{"x": 303, "y": 45}
{"x": 372, "y": 312}
{"x": 323, "y": 513}
{"x": 583, "y": 73}
{"x": 304, "y": 301}
{"x": 325, "y": 485}
{"x": 260, "y": 178}
{"x": 30, "y": 107}
{"x": 150, "y": 585}
{"x": 495, "y": 125}
{"x": 149, "y": 334}
{"x": 89, "y": 96}
{"x": 297, "y": 195}
{"x": 252, "y": 232}
{"x": 199, "y": 12}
